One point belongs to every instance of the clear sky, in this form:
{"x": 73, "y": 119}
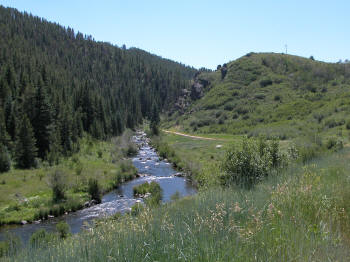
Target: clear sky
{"x": 207, "y": 33}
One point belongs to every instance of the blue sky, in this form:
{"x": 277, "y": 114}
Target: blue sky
{"x": 207, "y": 33}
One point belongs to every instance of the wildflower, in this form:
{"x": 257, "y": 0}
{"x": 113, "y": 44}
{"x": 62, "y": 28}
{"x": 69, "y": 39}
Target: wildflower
{"x": 279, "y": 213}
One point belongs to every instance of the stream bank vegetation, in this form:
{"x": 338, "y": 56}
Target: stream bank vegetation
{"x": 300, "y": 212}
{"x": 151, "y": 192}
{"x": 75, "y": 182}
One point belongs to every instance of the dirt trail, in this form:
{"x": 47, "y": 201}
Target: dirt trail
{"x": 196, "y": 137}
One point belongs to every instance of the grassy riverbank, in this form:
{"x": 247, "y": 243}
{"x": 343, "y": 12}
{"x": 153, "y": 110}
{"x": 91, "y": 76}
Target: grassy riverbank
{"x": 27, "y": 194}
{"x": 299, "y": 214}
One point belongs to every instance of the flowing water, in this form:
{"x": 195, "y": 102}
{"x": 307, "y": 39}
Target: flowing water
{"x": 149, "y": 166}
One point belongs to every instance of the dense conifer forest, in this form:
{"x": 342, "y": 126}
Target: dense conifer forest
{"x": 56, "y": 84}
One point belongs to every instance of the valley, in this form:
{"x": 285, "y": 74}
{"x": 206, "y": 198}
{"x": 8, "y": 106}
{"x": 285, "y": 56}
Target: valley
{"x": 110, "y": 153}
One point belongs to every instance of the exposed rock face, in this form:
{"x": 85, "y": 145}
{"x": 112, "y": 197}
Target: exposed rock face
{"x": 197, "y": 89}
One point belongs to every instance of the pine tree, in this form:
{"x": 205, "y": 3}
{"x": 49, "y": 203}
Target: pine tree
{"x": 154, "y": 120}
{"x": 5, "y": 162}
{"x": 42, "y": 120}
{"x": 4, "y": 137}
{"x": 25, "y": 150}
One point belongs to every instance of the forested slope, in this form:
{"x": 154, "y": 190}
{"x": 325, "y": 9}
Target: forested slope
{"x": 56, "y": 84}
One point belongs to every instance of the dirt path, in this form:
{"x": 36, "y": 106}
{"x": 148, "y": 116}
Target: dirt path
{"x": 195, "y": 137}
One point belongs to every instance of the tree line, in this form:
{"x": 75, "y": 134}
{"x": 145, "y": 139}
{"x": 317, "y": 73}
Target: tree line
{"x": 56, "y": 84}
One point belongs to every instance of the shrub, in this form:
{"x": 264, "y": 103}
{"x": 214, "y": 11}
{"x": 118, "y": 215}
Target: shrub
{"x": 242, "y": 110}
{"x": 218, "y": 114}
{"x": 79, "y": 168}
{"x": 331, "y": 123}
{"x": 132, "y": 149}
{"x": 229, "y": 106}
{"x": 251, "y": 163}
{"x": 57, "y": 182}
{"x": 259, "y": 96}
{"x": 334, "y": 144}
{"x": 41, "y": 238}
{"x": 204, "y": 122}
{"x": 348, "y": 125}
{"x": 318, "y": 116}
{"x": 277, "y": 98}
{"x": 63, "y": 229}
{"x": 293, "y": 152}
{"x": 13, "y": 207}
{"x": 99, "y": 153}
{"x": 265, "y": 82}
{"x": 94, "y": 190}
{"x": 311, "y": 88}
{"x": 235, "y": 116}
{"x": 153, "y": 188}
{"x": 243, "y": 167}
{"x": 5, "y": 162}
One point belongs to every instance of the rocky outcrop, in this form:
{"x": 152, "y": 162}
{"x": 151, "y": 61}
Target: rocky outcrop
{"x": 90, "y": 203}
{"x": 198, "y": 87}
{"x": 223, "y": 70}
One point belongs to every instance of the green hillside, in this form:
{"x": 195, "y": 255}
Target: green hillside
{"x": 271, "y": 94}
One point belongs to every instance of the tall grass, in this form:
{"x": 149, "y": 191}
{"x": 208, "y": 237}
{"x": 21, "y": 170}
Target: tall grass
{"x": 301, "y": 214}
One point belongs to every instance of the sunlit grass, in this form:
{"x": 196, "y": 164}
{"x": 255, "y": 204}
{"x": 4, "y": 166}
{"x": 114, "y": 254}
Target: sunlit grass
{"x": 24, "y": 192}
{"x": 301, "y": 214}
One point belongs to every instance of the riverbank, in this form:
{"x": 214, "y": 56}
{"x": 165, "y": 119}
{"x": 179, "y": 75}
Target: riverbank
{"x": 26, "y": 195}
{"x": 299, "y": 214}
{"x": 121, "y": 200}
{"x": 192, "y": 155}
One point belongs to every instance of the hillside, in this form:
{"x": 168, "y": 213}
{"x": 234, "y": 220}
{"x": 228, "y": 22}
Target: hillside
{"x": 259, "y": 149}
{"x": 269, "y": 94}
{"x": 58, "y": 84}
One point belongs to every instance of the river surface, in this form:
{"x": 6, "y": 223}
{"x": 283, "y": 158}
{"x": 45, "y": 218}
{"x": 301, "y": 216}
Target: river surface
{"x": 120, "y": 200}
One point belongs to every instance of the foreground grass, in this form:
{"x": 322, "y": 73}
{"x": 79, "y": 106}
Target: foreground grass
{"x": 26, "y": 193}
{"x": 301, "y": 214}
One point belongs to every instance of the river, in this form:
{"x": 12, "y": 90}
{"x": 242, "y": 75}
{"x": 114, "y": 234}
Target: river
{"x": 120, "y": 200}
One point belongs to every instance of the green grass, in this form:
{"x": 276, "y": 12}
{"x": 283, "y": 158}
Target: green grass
{"x": 300, "y": 214}
{"x": 302, "y": 97}
{"x": 23, "y": 193}
{"x": 198, "y": 150}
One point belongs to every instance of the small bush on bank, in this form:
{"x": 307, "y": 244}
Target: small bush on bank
{"x": 63, "y": 229}
{"x": 155, "y": 193}
{"x": 251, "y": 163}
{"x": 41, "y": 238}
{"x": 94, "y": 190}
{"x": 57, "y": 182}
